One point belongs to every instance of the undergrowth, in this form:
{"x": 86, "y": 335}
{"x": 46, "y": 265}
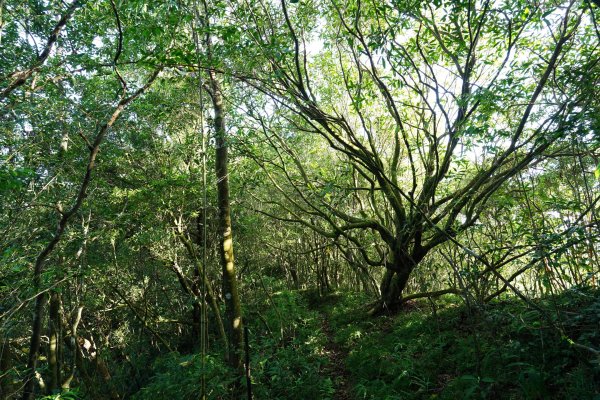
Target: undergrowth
{"x": 286, "y": 350}
{"x": 441, "y": 350}
{"x": 287, "y": 357}
{"x": 505, "y": 350}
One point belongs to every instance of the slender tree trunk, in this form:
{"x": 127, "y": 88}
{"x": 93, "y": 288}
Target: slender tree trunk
{"x": 106, "y": 378}
{"x": 233, "y": 308}
{"x": 192, "y": 288}
{"x": 5, "y": 365}
{"x": 34, "y": 345}
{"x": 230, "y": 287}
{"x": 54, "y": 324}
{"x": 196, "y": 322}
{"x": 294, "y": 275}
{"x": 74, "y": 348}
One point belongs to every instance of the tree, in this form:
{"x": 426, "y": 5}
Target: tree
{"x": 230, "y": 285}
{"x": 435, "y": 107}
{"x": 74, "y": 82}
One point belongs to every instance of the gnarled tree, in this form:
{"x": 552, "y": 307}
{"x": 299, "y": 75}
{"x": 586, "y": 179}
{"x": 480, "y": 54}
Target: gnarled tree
{"x": 434, "y": 105}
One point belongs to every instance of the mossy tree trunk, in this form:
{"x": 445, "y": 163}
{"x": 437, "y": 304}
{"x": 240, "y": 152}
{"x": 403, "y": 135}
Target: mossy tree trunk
{"x": 230, "y": 287}
{"x": 233, "y": 309}
{"x": 396, "y": 277}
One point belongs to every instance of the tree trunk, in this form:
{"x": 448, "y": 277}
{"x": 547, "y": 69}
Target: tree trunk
{"x": 72, "y": 343}
{"x": 294, "y": 275}
{"x": 394, "y": 281}
{"x": 5, "y": 365}
{"x": 106, "y": 378}
{"x": 193, "y": 289}
{"x": 391, "y": 291}
{"x": 230, "y": 288}
{"x": 34, "y": 346}
{"x": 54, "y": 324}
{"x": 196, "y": 323}
{"x": 211, "y": 301}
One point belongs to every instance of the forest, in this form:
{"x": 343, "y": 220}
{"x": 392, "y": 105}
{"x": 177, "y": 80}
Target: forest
{"x": 299, "y": 199}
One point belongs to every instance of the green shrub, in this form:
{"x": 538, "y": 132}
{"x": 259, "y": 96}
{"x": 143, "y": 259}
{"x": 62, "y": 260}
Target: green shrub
{"x": 179, "y": 377}
{"x": 288, "y": 368}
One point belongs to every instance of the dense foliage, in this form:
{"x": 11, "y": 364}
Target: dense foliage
{"x": 411, "y": 189}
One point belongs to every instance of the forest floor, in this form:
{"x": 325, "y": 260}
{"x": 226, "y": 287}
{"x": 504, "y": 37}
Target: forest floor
{"x": 444, "y": 350}
{"x": 329, "y": 349}
{"x": 336, "y": 368}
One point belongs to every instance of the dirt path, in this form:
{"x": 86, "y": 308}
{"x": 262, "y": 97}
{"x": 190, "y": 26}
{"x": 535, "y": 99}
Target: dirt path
{"x": 336, "y": 368}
